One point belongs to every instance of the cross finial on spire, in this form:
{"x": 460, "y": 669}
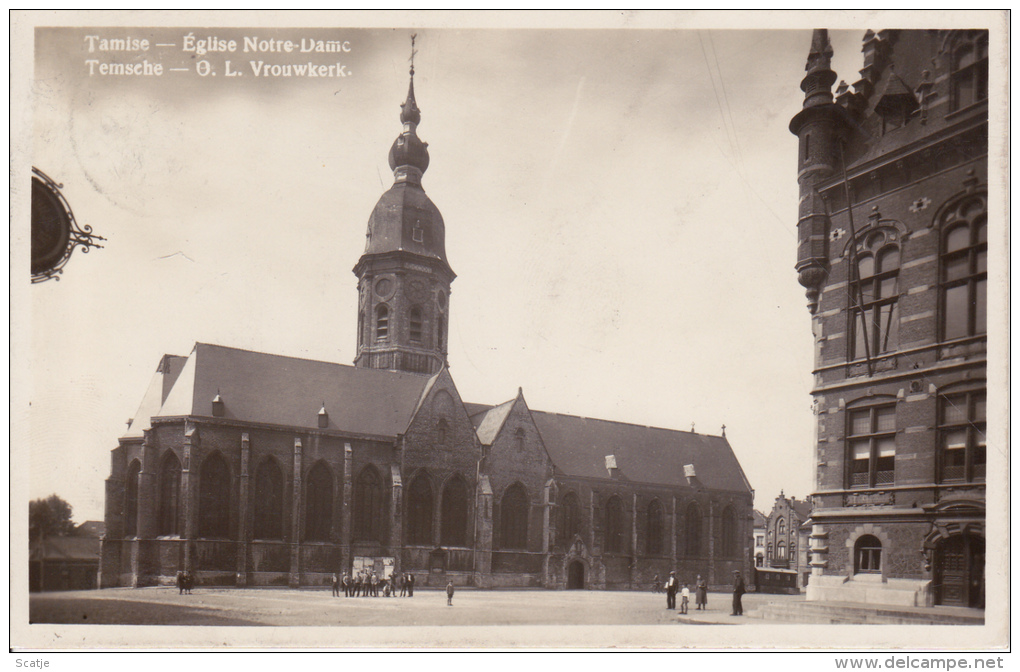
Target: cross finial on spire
{"x": 413, "y": 52}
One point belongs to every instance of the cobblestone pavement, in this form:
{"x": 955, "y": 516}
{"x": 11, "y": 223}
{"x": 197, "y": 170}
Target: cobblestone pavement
{"x": 286, "y": 607}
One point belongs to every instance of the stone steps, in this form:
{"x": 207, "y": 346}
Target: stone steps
{"x": 852, "y": 612}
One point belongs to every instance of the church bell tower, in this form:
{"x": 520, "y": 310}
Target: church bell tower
{"x": 403, "y": 276}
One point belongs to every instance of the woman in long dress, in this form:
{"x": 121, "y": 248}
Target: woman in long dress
{"x": 701, "y": 594}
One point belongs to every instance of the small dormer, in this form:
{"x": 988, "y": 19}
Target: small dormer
{"x": 323, "y": 417}
{"x": 614, "y": 471}
{"x": 218, "y": 408}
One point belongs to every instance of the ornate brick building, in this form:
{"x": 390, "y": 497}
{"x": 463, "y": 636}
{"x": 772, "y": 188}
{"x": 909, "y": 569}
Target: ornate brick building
{"x": 897, "y": 287}
{"x": 256, "y": 469}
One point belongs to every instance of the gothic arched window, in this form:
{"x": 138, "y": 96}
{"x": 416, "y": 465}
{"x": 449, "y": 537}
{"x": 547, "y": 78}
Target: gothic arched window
{"x": 964, "y": 260}
{"x": 319, "y": 503}
{"x": 420, "y": 504}
{"x": 368, "y": 506}
{"x": 874, "y": 297}
{"x": 214, "y": 498}
{"x": 131, "y": 499}
{"x": 570, "y": 518}
{"x": 454, "y": 513}
{"x": 653, "y": 543}
{"x": 169, "y": 494}
{"x": 513, "y": 518}
{"x": 781, "y": 527}
{"x": 268, "y": 501}
{"x": 692, "y": 529}
{"x": 615, "y": 525}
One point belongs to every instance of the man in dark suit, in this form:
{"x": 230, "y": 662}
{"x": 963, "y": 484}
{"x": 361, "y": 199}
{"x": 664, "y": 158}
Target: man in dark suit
{"x": 738, "y": 593}
{"x": 671, "y": 588}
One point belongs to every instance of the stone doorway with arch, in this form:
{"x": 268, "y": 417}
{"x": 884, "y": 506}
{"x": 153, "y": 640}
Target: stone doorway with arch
{"x": 575, "y": 575}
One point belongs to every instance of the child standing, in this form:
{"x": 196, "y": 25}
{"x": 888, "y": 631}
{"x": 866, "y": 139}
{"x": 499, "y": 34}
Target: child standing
{"x": 685, "y": 596}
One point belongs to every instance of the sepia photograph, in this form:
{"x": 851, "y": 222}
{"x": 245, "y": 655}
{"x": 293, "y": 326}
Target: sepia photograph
{"x": 511, "y": 331}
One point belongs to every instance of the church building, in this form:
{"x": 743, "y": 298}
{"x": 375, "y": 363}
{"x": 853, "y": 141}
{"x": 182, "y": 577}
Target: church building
{"x": 893, "y": 249}
{"x": 253, "y": 469}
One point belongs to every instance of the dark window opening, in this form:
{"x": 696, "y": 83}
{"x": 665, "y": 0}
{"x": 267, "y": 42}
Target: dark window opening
{"x": 415, "y": 323}
{"x": 382, "y": 322}
{"x": 874, "y": 303}
{"x": 871, "y": 445}
{"x": 513, "y": 516}
{"x": 214, "y": 498}
{"x": 453, "y": 528}
{"x": 962, "y": 437}
{"x": 319, "y": 503}
{"x": 964, "y": 263}
{"x": 368, "y": 506}
{"x": 419, "y": 512}
{"x": 268, "y": 501}
{"x": 131, "y": 499}
{"x": 868, "y": 555}
{"x": 570, "y": 518}
{"x": 169, "y": 495}
{"x": 615, "y": 526}
{"x": 653, "y": 544}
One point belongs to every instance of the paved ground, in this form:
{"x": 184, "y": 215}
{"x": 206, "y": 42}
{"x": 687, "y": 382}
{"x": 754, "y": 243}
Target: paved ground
{"x": 286, "y": 607}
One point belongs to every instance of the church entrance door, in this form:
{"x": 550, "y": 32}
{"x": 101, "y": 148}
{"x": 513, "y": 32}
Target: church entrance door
{"x": 960, "y": 571}
{"x": 575, "y": 575}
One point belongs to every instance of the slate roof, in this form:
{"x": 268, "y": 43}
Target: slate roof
{"x": 803, "y": 509}
{"x": 578, "y": 447}
{"x": 760, "y": 519}
{"x": 286, "y": 391}
{"x": 488, "y": 423}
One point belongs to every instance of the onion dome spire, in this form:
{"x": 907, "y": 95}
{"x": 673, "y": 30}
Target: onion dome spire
{"x": 409, "y": 156}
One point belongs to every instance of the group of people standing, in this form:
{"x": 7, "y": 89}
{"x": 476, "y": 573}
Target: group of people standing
{"x": 365, "y": 584}
{"x": 185, "y": 582}
{"x": 673, "y": 586}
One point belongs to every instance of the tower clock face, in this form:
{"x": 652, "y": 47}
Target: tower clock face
{"x": 384, "y": 287}
{"x": 416, "y": 290}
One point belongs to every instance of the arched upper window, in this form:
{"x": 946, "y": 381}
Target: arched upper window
{"x": 319, "y": 503}
{"x": 874, "y": 296}
{"x": 868, "y": 554}
{"x": 969, "y": 73}
{"x": 368, "y": 505}
{"x": 570, "y": 517}
{"x": 519, "y": 439}
{"x": 513, "y": 518}
{"x": 781, "y": 551}
{"x": 962, "y": 436}
{"x": 653, "y": 543}
{"x": 871, "y": 446}
{"x": 131, "y": 499}
{"x": 692, "y": 530}
{"x": 454, "y": 516}
{"x": 730, "y": 533}
{"x": 382, "y": 322}
{"x": 415, "y": 324}
{"x": 442, "y": 431}
{"x": 169, "y": 494}
{"x": 781, "y": 527}
{"x": 615, "y": 526}
{"x": 964, "y": 261}
{"x": 268, "y": 501}
{"x": 214, "y": 498}
{"x": 420, "y": 503}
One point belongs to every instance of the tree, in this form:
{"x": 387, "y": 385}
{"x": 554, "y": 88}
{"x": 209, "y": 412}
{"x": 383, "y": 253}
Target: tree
{"x": 50, "y": 517}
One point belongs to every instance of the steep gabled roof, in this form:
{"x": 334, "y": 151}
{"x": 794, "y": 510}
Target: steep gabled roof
{"x": 802, "y": 508}
{"x": 288, "y": 391}
{"x": 578, "y": 447}
{"x": 760, "y": 519}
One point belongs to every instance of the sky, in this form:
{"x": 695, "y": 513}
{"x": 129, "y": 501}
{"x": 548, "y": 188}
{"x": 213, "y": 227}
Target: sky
{"x": 620, "y": 209}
